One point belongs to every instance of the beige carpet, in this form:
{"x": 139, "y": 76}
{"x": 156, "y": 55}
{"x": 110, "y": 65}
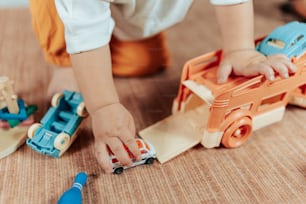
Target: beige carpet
{"x": 270, "y": 168}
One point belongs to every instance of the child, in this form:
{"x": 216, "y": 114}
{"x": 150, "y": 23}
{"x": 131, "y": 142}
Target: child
{"x": 135, "y": 46}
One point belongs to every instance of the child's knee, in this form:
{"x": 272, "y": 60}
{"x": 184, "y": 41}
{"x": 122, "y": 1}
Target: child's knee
{"x": 139, "y": 58}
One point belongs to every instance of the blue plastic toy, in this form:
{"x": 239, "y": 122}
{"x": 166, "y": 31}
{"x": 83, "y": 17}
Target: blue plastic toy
{"x": 74, "y": 194}
{"x": 30, "y": 109}
{"x": 22, "y": 115}
{"x": 289, "y": 39}
{"x": 57, "y": 129}
{"x": 13, "y": 111}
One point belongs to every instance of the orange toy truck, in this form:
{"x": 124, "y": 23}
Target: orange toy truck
{"x": 239, "y": 106}
{"x": 213, "y": 114}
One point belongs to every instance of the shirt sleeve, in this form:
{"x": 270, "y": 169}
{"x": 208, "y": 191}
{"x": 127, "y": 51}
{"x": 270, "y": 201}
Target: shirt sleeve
{"x": 227, "y": 2}
{"x": 88, "y": 24}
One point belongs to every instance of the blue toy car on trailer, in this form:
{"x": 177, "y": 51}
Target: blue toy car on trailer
{"x": 289, "y": 39}
{"x": 57, "y": 129}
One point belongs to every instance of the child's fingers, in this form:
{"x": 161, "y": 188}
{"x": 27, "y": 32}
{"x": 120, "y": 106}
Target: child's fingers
{"x": 223, "y": 72}
{"x": 260, "y": 68}
{"x": 283, "y": 59}
{"x": 280, "y": 68}
{"x": 292, "y": 68}
{"x": 103, "y": 157}
{"x": 132, "y": 146}
{"x": 129, "y": 140}
{"x": 116, "y": 146}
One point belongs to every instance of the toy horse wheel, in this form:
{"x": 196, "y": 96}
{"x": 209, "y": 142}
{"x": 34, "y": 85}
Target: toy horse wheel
{"x": 62, "y": 141}
{"x": 237, "y": 133}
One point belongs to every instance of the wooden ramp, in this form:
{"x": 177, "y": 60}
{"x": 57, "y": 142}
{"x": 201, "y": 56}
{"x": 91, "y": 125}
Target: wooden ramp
{"x": 11, "y": 139}
{"x": 176, "y": 133}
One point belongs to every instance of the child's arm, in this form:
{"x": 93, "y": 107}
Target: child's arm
{"x": 240, "y": 57}
{"x": 112, "y": 124}
{"x": 88, "y": 28}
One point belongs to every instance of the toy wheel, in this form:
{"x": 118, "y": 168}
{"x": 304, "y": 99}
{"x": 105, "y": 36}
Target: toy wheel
{"x": 56, "y": 99}
{"x": 62, "y": 141}
{"x": 81, "y": 110}
{"x": 118, "y": 170}
{"x": 237, "y": 133}
{"x": 149, "y": 160}
{"x": 32, "y": 129}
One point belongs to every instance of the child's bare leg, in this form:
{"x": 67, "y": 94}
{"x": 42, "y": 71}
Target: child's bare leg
{"x": 62, "y": 79}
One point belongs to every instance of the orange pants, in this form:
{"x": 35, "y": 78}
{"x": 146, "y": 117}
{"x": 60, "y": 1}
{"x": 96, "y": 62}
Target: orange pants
{"x": 129, "y": 58}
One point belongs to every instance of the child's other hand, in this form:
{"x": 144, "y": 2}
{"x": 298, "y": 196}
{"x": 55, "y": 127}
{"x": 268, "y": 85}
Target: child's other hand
{"x": 251, "y": 63}
{"x": 112, "y": 126}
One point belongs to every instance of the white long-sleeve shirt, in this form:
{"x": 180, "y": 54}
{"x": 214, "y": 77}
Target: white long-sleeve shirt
{"x": 227, "y": 2}
{"x": 89, "y": 24}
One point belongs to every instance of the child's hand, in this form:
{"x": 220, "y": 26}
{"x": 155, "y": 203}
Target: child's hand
{"x": 113, "y": 125}
{"x": 251, "y": 63}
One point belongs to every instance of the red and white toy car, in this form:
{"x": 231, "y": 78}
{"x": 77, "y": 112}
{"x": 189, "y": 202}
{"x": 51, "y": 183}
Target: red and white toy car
{"x": 148, "y": 155}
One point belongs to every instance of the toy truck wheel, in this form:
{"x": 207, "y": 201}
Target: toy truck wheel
{"x": 237, "y": 133}
{"x": 149, "y": 160}
{"x": 33, "y": 128}
{"x": 56, "y": 99}
{"x": 62, "y": 141}
{"x": 118, "y": 170}
{"x": 81, "y": 110}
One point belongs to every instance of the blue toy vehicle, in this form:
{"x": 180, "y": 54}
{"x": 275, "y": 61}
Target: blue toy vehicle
{"x": 57, "y": 129}
{"x": 289, "y": 39}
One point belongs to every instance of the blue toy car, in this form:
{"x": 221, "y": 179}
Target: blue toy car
{"x": 289, "y": 39}
{"x": 57, "y": 129}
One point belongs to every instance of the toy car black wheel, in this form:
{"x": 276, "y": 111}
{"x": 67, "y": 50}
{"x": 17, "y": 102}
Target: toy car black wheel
{"x": 62, "y": 141}
{"x": 33, "y": 129}
{"x": 149, "y": 160}
{"x": 56, "y": 99}
{"x": 118, "y": 170}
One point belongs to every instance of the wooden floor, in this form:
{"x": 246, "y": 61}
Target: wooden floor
{"x": 270, "y": 168}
